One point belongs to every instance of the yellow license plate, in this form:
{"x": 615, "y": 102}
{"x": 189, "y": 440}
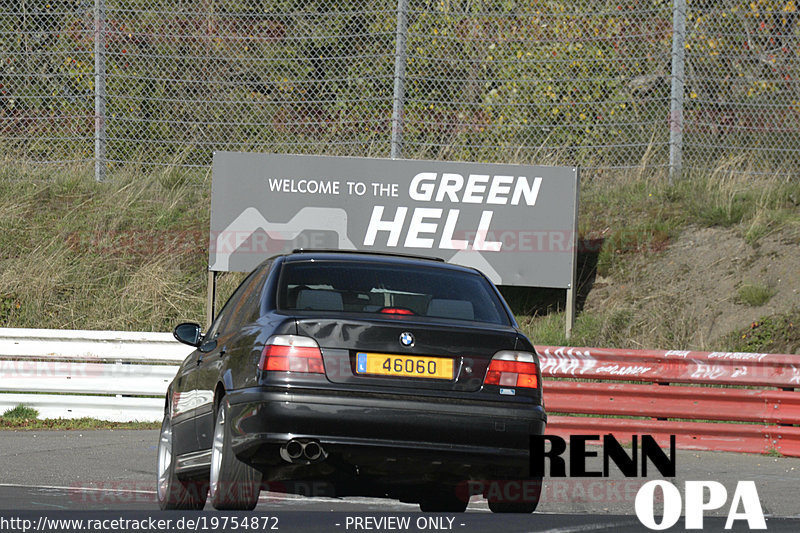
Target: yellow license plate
{"x": 409, "y": 366}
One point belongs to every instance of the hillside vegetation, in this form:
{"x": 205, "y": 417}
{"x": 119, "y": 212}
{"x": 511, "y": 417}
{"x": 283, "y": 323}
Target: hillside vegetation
{"x": 709, "y": 262}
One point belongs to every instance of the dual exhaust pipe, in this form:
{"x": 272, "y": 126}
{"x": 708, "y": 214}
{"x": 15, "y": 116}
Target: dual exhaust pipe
{"x": 303, "y": 451}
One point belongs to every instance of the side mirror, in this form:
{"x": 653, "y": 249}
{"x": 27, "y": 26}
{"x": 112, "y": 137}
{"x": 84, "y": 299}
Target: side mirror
{"x": 188, "y": 333}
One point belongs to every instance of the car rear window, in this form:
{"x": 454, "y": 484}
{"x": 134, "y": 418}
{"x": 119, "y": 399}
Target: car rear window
{"x": 399, "y": 289}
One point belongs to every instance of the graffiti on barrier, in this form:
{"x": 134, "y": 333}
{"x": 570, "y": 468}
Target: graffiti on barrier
{"x": 737, "y": 356}
{"x": 704, "y": 371}
{"x": 567, "y": 361}
{"x": 795, "y": 375}
{"x": 617, "y": 370}
{"x": 677, "y": 353}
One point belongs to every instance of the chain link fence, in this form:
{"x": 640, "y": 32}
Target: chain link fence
{"x": 742, "y": 96}
{"x": 606, "y": 85}
{"x": 46, "y": 81}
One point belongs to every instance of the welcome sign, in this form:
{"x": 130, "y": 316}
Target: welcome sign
{"x": 515, "y": 223}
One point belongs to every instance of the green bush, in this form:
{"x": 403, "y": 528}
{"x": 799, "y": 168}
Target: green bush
{"x": 21, "y": 412}
{"x": 754, "y": 295}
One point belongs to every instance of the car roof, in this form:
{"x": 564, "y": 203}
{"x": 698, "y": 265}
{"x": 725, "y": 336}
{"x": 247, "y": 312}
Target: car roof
{"x": 300, "y": 255}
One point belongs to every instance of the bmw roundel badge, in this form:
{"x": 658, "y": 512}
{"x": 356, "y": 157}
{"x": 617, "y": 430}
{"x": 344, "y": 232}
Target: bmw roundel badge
{"x": 407, "y": 339}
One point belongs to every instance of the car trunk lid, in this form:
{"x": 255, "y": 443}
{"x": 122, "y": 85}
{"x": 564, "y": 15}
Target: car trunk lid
{"x": 370, "y": 351}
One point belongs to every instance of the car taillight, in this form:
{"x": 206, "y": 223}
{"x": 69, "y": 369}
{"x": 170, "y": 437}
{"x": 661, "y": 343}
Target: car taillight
{"x": 291, "y": 353}
{"x": 513, "y": 369}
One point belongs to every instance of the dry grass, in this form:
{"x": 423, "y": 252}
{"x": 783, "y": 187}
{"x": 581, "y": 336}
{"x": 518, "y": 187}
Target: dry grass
{"x": 126, "y": 254}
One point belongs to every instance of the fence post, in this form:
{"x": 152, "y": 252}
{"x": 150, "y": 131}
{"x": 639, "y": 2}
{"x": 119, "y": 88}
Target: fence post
{"x": 676, "y": 93}
{"x": 211, "y": 298}
{"x": 399, "y": 79}
{"x": 99, "y": 91}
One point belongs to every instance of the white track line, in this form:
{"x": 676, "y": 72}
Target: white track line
{"x": 273, "y": 497}
{"x": 592, "y": 527}
{"x": 76, "y": 488}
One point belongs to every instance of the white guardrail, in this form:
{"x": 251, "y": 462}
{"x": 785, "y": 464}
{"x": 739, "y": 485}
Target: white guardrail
{"x": 111, "y": 375}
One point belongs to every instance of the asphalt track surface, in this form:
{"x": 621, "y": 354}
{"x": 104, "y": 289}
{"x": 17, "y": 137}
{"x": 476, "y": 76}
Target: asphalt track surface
{"x": 110, "y": 472}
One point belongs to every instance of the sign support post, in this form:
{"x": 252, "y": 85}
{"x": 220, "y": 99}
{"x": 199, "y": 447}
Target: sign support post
{"x": 211, "y": 298}
{"x": 570, "y": 311}
{"x": 573, "y": 285}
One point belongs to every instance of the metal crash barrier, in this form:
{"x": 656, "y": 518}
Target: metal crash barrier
{"x": 119, "y": 376}
{"x": 723, "y": 401}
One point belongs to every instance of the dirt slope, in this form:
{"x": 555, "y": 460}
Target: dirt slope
{"x": 695, "y": 283}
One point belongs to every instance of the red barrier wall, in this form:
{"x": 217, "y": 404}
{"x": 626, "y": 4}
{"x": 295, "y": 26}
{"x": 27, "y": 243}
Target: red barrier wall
{"x": 741, "y": 402}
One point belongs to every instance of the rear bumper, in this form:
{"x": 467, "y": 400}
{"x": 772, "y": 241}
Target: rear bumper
{"x": 388, "y": 434}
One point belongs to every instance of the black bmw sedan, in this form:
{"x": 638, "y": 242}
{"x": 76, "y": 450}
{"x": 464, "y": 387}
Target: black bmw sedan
{"x": 354, "y": 374}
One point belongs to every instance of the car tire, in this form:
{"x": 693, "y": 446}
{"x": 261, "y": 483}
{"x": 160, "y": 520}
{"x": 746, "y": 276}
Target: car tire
{"x": 233, "y": 484}
{"x": 525, "y": 507}
{"x": 442, "y": 500}
{"x": 171, "y": 491}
